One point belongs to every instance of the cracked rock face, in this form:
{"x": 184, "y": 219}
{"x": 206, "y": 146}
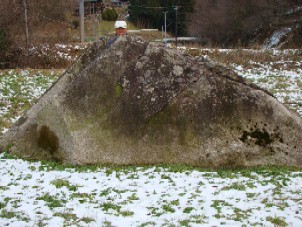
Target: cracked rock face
{"x": 133, "y": 102}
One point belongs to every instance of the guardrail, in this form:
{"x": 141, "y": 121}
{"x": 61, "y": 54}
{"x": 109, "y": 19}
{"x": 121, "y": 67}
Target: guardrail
{"x": 181, "y": 39}
{"x": 143, "y": 30}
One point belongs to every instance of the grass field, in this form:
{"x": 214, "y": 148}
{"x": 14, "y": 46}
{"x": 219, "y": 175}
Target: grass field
{"x": 19, "y": 89}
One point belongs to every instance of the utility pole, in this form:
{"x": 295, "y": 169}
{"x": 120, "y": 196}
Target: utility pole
{"x": 93, "y": 22}
{"x": 176, "y": 8}
{"x": 98, "y": 27}
{"x": 165, "y": 24}
{"x": 81, "y": 11}
{"x": 165, "y": 12}
{"x": 26, "y": 22}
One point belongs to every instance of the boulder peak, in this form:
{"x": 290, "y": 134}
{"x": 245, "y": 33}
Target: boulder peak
{"x": 129, "y": 102}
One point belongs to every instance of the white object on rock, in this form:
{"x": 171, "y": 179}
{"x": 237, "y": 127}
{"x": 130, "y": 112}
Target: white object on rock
{"x": 120, "y": 24}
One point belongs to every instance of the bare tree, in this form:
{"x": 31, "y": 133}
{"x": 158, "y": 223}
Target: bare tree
{"x": 45, "y": 19}
{"x": 31, "y": 23}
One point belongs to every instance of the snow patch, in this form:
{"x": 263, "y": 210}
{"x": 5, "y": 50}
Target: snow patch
{"x": 139, "y": 196}
{"x": 275, "y": 39}
{"x": 294, "y": 10}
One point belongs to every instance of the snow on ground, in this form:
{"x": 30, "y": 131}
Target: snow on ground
{"x": 281, "y": 75}
{"x": 36, "y": 194}
{"x": 19, "y": 89}
{"x": 274, "y": 40}
{"x": 60, "y": 52}
{"x": 285, "y": 84}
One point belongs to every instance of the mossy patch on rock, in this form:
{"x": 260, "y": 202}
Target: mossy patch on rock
{"x": 118, "y": 90}
{"x": 262, "y": 138}
{"x": 47, "y": 139}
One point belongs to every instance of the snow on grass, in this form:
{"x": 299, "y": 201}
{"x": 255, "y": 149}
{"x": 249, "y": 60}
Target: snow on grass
{"x": 278, "y": 71}
{"x": 48, "y": 194}
{"x": 285, "y": 84}
{"x": 19, "y": 89}
{"x": 59, "y": 52}
{"x": 274, "y": 40}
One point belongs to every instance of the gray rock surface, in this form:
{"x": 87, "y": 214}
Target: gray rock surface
{"x": 132, "y": 102}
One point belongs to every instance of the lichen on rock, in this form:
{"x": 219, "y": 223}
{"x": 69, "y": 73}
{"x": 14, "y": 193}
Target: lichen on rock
{"x": 135, "y": 103}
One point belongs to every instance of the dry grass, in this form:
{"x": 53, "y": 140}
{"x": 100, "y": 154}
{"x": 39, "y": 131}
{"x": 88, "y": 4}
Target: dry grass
{"x": 240, "y": 57}
{"x": 245, "y": 57}
{"x": 148, "y": 36}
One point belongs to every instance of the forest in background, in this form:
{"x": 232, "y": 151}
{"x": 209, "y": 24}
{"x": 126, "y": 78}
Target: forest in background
{"x": 219, "y": 23}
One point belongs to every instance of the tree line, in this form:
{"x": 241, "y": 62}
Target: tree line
{"x": 219, "y": 22}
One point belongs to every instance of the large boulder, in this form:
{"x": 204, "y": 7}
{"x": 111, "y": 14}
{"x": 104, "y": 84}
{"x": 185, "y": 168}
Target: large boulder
{"x": 131, "y": 102}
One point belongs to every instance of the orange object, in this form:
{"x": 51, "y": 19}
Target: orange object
{"x": 120, "y": 31}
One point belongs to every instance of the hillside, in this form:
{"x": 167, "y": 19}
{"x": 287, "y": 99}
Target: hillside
{"x": 285, "y": 31}
{"x": 242, "y": 23}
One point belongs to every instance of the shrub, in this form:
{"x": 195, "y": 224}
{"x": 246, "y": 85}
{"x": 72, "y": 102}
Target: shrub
{"x": 109, "y": 15}
{"x": 75, "y": 24}
{"x": 115, "y": 14}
